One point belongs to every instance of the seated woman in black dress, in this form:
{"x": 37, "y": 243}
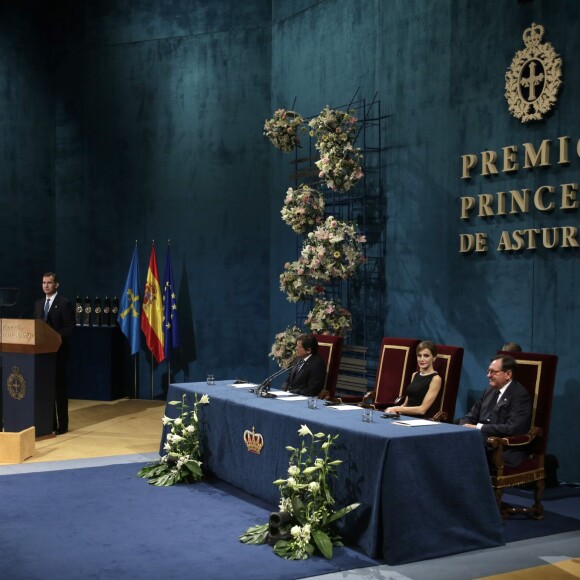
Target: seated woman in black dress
{"x": 424, "y": 386}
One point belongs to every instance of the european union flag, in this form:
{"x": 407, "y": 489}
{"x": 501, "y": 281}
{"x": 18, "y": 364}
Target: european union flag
{"x": 170, "y": 321}
{"x": 130, "y": 306}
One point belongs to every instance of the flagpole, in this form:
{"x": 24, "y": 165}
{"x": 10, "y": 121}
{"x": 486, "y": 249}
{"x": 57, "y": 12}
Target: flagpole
{"x": 151, "y": 361}
{"x": 168, "y": 358}
{"x": 135, "y": 360}
{"x": 135, "y": 375}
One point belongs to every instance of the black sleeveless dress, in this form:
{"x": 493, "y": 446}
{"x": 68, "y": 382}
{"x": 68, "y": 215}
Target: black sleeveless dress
{"x": 418, "y": 388}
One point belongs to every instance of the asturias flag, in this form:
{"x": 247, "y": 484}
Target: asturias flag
{"x": 170, "y": 322}
{"x": 152, "y": 319}
{"x": 130, "y": 306}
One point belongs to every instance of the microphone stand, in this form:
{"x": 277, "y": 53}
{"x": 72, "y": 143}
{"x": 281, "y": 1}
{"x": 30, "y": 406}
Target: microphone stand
{"x": 264, "y": 387}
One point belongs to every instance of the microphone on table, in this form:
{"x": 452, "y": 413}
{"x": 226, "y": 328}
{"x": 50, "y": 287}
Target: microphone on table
{"x": 262, "y": 389}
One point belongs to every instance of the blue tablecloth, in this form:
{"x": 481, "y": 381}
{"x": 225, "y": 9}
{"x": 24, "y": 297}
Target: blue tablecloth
{"x": 424, "y": 491}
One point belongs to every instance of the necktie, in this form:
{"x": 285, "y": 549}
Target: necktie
{"x": 299, "y": 367}
{"x": 46, "y": 308}
{"x": 295, "y": 371}
{"x": 491, "y": 405}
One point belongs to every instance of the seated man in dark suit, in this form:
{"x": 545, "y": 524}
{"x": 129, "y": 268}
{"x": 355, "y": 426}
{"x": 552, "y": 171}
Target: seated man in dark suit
{"x": 505, "y": 408}
{"x": 309, "y": 374}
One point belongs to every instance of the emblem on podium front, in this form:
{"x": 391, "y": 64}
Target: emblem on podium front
{"x": 254, "y": 441}
{"x": 16, "y": 385}
{"x": 533, "y": 78}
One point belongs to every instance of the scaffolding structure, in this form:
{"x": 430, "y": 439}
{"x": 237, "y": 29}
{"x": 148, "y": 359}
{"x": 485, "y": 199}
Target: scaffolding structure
{"x": 365, "y": 205}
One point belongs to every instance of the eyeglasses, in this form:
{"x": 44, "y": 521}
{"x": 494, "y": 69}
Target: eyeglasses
{"x": 493, "y": 373}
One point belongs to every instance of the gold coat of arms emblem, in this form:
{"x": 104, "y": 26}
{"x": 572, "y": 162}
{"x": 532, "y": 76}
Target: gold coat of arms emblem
{"x": 16, "y": 384}
{"x": 534, "y": 77}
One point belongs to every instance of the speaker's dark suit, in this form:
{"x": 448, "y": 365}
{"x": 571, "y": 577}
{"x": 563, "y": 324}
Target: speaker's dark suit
{"x": 511, "y": 416}
{"x": 309, "y": 380}
{"x": 61, "y": 317}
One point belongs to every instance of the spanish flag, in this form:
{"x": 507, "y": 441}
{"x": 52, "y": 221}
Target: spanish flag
{"x": 152, "y": 311}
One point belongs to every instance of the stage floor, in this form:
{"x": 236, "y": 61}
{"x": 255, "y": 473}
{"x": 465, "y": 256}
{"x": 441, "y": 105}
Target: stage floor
{"x": 104, "y": 429}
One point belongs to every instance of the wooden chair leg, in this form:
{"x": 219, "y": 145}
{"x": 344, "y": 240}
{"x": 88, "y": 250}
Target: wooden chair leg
{"x": 538, "y": 507}
{"x": 498, "y": 496}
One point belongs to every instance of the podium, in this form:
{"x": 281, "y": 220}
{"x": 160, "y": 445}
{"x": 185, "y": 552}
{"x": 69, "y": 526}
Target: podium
{"x": 28, "y": 349}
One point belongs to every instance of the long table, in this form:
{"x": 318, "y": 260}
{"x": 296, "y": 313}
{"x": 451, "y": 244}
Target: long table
{"x": 424, "y": 491}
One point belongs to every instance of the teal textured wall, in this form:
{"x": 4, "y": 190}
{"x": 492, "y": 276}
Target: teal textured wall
{"x": 27, "y": 204}
{"x": 158, "y": 136}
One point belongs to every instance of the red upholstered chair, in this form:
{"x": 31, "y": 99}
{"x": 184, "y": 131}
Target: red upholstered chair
{"x": 448, "y": 364}
{"x": 330, "y": 349}
{"x": 536, "y": 372}
{"x": 397, "y": 361}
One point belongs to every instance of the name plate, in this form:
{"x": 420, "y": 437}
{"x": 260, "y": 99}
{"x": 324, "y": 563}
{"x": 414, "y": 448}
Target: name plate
{"x": 28, "y": 336}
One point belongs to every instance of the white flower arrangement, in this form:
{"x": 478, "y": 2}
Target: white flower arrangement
{"x": 299, "y": 283}
{"x": 333, "y": 250}
{"x": 329, "y": 317}
{"x": 340, "y": 167}
{"x": 182, "y": 461}
{"x": 306, "y": 497}
{"x": 282, "y": 129}
{"x": 333, "y": 127}
{"x": 340, "y": 162}
{"x": 303, "y": 208}
{"x": 284, "y": 348}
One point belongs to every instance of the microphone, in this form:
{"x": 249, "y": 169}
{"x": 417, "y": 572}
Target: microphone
{"x": 264, "y": 387}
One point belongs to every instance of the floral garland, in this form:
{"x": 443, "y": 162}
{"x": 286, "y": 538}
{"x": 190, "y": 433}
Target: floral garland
{"x": 340, "y": 167}
{"x": 303, "y": 208}
{"x": 306, "y": 506}
{"x": 297, "y": 284}
{"x": 333, "y": 250}
{"x": 284, "y": 348}
{"x": 282, "y": 129}
{"x": 182, "y": 462}
{"x": 329, "y": 317}
{"x": 333, "y": 128}
{"x": 340, "y": 162}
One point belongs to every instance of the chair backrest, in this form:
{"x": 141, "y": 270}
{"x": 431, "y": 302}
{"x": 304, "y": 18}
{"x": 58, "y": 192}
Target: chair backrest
{"x": 537, "y": 372}
{"x": 397, "y": 361}
{"x": 330, "y": 349}
{"x": 448, "y": 364}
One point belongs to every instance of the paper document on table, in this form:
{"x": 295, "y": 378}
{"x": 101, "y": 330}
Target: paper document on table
{"x": 345, "y": 407}
{"x": 243, "y": 385}
{"x": 282, "y": 394}
{"x": 292, "y": 397}
{"x": 415, "y": 422}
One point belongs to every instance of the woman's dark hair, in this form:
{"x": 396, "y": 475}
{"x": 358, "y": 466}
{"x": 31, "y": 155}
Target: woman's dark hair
{"x": 426, "y": 344}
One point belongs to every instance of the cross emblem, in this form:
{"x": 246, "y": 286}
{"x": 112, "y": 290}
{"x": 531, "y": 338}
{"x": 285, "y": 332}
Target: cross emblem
{"x": 131, "y": 308}
{"x": 532, "y": 81}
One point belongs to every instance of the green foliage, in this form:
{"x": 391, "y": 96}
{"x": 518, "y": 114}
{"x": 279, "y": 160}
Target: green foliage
{"x": 306, "y": 495}
{"x": 255, "y": 535}
{"x": 182, "y": 462}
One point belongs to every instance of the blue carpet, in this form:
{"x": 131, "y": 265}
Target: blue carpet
{"x": 105, "y": 522}
{"x": 561, "y": 514}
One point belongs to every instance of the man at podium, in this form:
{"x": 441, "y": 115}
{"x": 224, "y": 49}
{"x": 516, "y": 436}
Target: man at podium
{"x": 57, "y": 311}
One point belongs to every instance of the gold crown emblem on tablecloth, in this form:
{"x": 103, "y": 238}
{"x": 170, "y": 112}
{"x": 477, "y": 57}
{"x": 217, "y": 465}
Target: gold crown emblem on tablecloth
{"x": 254, "y": 441}
{"x": 534, "y": 77}
{"x": 16, "y": 385}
